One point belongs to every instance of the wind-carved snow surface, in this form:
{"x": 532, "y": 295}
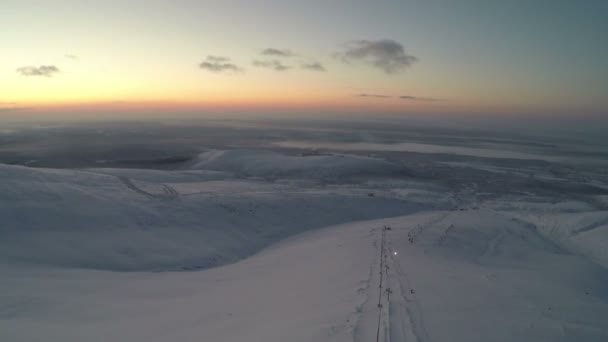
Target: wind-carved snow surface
{"x": 252, "y": 245}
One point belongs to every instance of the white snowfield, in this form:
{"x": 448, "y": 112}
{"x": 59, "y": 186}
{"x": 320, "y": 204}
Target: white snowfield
{"x": 260, "y": 246}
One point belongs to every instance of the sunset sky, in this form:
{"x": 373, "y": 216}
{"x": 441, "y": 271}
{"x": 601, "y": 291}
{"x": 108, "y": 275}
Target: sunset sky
{"x": 490, "y": 57}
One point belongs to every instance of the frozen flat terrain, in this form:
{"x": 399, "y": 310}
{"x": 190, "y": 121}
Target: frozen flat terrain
{"x": 269, "y": 241}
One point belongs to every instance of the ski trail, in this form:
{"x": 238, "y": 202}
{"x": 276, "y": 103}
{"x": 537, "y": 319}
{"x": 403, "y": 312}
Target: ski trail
{"x": 413, "y": 311}
{"x": 391, "y": 311}
{"x": 371, "y": 316}
{"x": 589, "y": 227}
{"x": 406, "y": 321}
{"x": 168, "y": 191}
{"x": 444, "y": 235}
{"x": 383, "y": 260}
{"x": 129, "y": 184}
{"x": 415, "y": 232}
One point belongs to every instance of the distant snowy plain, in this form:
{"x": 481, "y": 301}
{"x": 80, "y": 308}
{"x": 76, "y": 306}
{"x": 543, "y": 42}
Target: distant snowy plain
{"x": 308, "y": 242}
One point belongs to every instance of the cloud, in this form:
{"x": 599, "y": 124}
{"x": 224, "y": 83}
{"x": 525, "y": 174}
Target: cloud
{"x": 43, "y": 70}
{"x": 402, "y": 97}
{"x": 386, "y": 55}
{"x": 272, "y": 64}
{"x": 219, "y": 64}
{"x": 217, "y": 59}
{"x": 416, "y": 98}
{"x": 378, "y": 96}
{"x": 277, "y": 52}
{"x": 313, "y": 66}
{"x": 70, "y": 56}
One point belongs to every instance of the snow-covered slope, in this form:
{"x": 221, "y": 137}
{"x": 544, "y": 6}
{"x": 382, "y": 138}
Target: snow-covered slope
{"x": 452, "y": 276}
{"x": 305, "y": 289}
{"x": 119, "y": 220}
{"x": 478, "y": 275}
{"x": 457, "y": 264}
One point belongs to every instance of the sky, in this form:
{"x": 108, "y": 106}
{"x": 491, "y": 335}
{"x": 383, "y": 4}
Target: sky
{"x": 489, "y": 57}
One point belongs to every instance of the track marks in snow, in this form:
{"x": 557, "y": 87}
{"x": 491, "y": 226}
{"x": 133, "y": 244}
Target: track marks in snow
{"x": 415, "y": 232}
{"x": 168, "y": 192}
{"x": 381, "y": 286}
{"x": 445, "y": 234}
{"x": 406, "y": 321}
{"x": 396, "y": 314}
{"x": 366, "y": 325}
{"x": 589, "y": 227}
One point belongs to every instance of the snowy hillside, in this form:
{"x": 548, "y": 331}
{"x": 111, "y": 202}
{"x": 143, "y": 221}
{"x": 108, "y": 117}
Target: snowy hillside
{"x": 151, "y": 220}
{"x": 255, "y": 245}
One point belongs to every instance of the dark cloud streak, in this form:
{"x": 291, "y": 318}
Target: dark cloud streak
{"x": 402, "y": 97}
{"x": 416, "y": 98}
{"x": 277, "y": 52}
{"x": 272, "y": 64}
{"x": 313, "y": 66}
{"x": 219, "y": 64}
{"x": 217, "y": 59}
{"x": 378, "y": 96}
{"x": 43, "y": 70}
